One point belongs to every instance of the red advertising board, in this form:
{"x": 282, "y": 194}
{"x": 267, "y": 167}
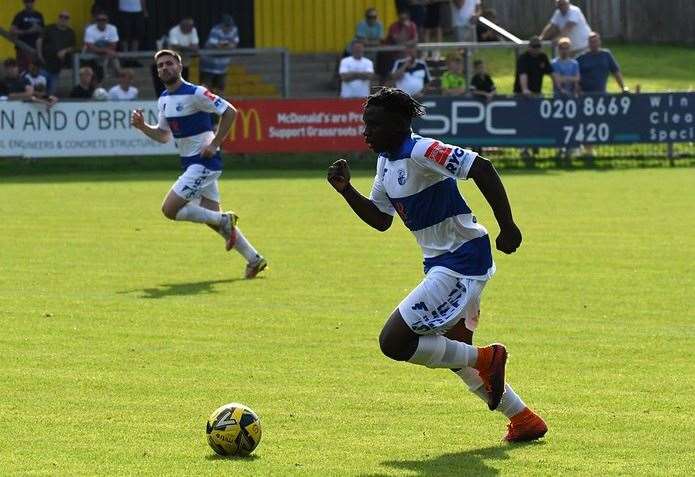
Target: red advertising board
{"x": 296, "y": 125}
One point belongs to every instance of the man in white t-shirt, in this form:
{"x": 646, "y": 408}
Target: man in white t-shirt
{"x": 183, "y": 38}
{"x": 464, "y": 16}
{"x": 101, "y": 38}
{"x": 356, "y": 72}
{"x": 568, "y": 21}
{"x": 124, "y": 90}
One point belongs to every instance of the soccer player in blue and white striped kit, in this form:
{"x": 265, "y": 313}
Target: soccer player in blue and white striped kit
{"x": 433, "y": 326}
{"x": 185, "y": 112}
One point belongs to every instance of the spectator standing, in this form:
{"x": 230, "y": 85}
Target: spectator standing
{"x": 183, "y": 38}
{"x": 27, "y": 26}
{"x": 453, "y": 81}
{"x": 416, "y": 12}
{"x": 85, "y": 88}
{"x": 124, "y": 90}
{"x": 131, "y": 23}
{"x": 565, "y": 70}
{"x": 411, "y": 73}
{"x": 435, "y": 16}
{"x": 464, "y": 18}
{"x": 482, "y": 85}
{"x": 485, "y": 33}
{"x": 568, "y": 21}
{"x": 595, "y": 65}
{"x": 13, "y": 85}
{"x": 531, "y": 66}
{"x": 101, "y": 38}
{"x": 370, "y": 30}
{"x": 213, "y": 69}
{"x": 54, "y": 47}
{"x": 356, "y": 72}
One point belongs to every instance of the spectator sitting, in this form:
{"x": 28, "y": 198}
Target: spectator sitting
{"x": 370, "y": 29}
{"x": 85, "y": 88}
{"x": 411, "y": 73}
{"x": 27, "y": 26}
{"x": 465, "y": 15}
{"x": 101, "y": 38}
{"x": 124, "y": 90}
{"x": 400, "y": 32}
{"x": 482, "y": 85}
{"x": 213, "y": 69}
{"x": 35, "y": 76}
{"x": 54, "y": 47}
{"x": 565, "y": 70}
{"x": 14, "y": 86}
{"x": 568, "y": 21}
{"x": 530, "y": 68}
{"x": 453, "y": 81}
{"x": 485, "y": 33}
{"x": 183, "y": 38}
{"x": 355, "y": 71}
{"x": 131, "y": 24}
{"x": 595, "y": 65}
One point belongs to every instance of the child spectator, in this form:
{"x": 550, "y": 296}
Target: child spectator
{"x": 124, "y": 90}
{"x": 482, "y": 85}
{"x": 85, "y": 88}
{"x": 453, "y": 81}
{"x": 565, "y": 70}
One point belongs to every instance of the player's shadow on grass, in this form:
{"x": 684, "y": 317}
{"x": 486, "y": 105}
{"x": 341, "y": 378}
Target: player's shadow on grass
{"x": 180, "y": 289}
{"x": 470, "y": 462}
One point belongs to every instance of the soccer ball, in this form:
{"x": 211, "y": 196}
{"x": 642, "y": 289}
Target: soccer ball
{"x": 100, "y": 94}
{"x": 233, "y": 429}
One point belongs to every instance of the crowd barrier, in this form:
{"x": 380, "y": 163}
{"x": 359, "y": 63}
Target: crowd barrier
{"x": 335, "y": 125}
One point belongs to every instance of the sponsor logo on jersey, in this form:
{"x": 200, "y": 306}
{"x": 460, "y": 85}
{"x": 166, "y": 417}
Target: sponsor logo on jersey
{"x": 402, "y": 176}
{"x": 209, "y": 95}
{"x": 438, "y": 153}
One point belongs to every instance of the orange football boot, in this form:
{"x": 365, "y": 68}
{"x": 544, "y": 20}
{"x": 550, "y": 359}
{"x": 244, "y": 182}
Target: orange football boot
{"x": 490, "y": 365}
{"x": 525, "y": 426}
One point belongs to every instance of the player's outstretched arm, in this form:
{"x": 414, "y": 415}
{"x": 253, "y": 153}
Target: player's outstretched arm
{"x": 488, "y": 181}
{"x": 339, "y": 177}
{"x": 137, "y": 120}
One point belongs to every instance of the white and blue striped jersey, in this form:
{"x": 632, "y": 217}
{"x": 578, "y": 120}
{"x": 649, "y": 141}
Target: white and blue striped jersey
{"x": 187, "y": 113}
{"x": 420, "y": 184}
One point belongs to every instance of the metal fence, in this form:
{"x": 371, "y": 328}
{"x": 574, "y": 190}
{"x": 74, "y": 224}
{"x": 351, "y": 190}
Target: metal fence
{"x": 271, "y": 63}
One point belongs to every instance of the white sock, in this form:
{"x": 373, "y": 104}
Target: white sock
{"x": 510, "y": 405}
{"x": 245, "y": 248}
{"x": 195, "y": 213}
{"x": 440, "y": 352}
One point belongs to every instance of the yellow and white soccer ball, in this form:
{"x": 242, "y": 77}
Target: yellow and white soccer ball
{"x": 233, "y": 429}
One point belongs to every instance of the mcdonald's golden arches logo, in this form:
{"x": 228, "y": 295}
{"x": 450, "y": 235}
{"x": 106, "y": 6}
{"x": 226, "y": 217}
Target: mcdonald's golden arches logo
{"x": 245, "y": 118}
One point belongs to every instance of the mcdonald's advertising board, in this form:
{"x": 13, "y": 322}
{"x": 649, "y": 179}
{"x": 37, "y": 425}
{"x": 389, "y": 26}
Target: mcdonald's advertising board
{"x": 296, "y": 125}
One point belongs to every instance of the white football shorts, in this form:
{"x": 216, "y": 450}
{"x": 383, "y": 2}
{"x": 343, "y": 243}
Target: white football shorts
{"x": 198, "y": 181}
{"x": 441, "y": 299}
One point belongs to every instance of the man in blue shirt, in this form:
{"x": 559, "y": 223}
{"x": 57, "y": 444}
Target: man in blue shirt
{"x": 370, "y": 29}
{"x": 213, "y": 69}
{"x": 595, "y": 65}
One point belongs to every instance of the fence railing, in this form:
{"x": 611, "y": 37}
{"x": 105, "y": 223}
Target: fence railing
{"x": 284, "y": 54}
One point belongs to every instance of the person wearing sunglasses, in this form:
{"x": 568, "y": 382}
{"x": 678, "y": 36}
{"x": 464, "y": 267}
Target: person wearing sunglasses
{"x": 54, "y": 48}
{"x": 101, "y": 38}
{"x": 531, "y": 66}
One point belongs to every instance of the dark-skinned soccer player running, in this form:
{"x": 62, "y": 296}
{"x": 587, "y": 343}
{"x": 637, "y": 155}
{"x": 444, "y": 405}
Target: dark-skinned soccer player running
{"x": 433, "y": 326}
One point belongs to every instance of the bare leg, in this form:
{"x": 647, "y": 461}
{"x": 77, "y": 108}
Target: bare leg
{"x": 172, "y": 204}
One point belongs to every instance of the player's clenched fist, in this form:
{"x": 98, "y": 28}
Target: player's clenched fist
{"x": 339, "y": 175}
{"x": 509, "y": 238}
{"x": 137, "y": 119}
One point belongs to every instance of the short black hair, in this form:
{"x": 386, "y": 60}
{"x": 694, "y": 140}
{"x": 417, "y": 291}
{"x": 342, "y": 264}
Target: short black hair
{"x": 477, "y": 62}
{"x": 396, "y": 101}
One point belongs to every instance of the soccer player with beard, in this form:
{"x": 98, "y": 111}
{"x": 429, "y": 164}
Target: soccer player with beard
{"x": 185, "y": 112}
{"x": 433, "y": 326}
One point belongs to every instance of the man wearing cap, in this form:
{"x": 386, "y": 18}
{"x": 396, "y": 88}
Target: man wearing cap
{"x": 213, "y": 69}
{"x": 530, "y": 68}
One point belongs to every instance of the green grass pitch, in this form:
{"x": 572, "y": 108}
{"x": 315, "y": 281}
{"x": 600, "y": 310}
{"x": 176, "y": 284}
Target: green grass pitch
{"x": 122, "y": 331}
